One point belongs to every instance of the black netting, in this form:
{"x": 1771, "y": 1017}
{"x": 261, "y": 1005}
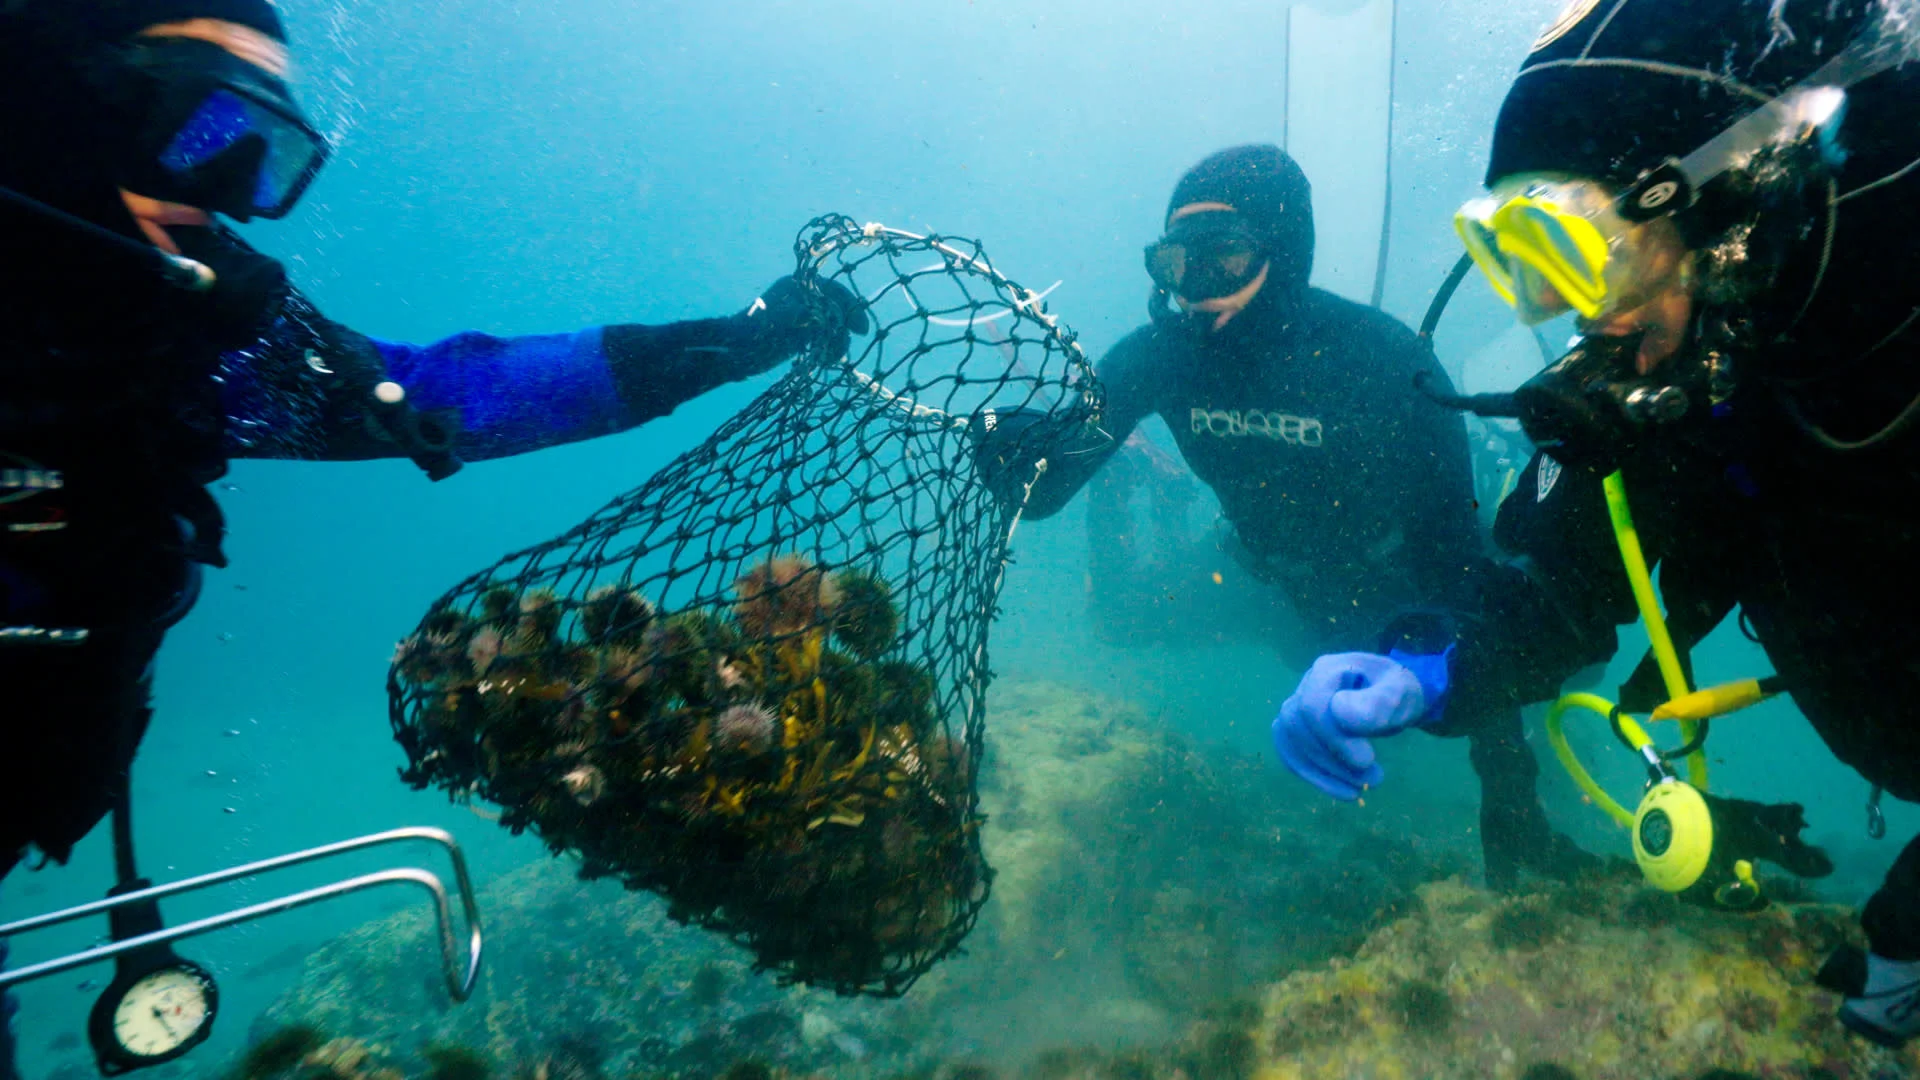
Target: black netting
{"x": 756, "y": 684}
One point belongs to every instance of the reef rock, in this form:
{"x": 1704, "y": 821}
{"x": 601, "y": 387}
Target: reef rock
{"x": 1611, "y": 981}
{"x": 1141, "y": 880}
{"x": 1607, "y": 980}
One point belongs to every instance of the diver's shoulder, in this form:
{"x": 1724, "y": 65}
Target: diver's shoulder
{"x": 1334, "y": 307}
{"x": 1362, "y": 324}
{"x": 1145, "y": 347}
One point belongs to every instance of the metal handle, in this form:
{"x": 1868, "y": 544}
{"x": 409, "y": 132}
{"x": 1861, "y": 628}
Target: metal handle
{"x": 461, "y": 977}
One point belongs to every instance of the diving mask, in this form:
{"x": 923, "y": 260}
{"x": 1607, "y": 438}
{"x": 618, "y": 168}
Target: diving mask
{"x": 1552, "y": 245}
{"x": 213, "y": 131}
{"x": 1205, "y": 256}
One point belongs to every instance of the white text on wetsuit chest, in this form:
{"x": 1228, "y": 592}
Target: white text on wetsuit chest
{"x": 1257, "y": 423}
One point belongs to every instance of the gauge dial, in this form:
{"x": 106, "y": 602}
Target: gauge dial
{"x": 162, "y": 1012}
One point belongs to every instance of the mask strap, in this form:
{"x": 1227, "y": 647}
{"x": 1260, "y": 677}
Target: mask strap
{"x": 1812, "y": 104}
{"x": 1191, "y": 209}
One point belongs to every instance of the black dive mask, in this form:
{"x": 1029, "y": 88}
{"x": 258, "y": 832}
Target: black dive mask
{"x": 1205, "y": 256}
{"x": 208, "y": 129}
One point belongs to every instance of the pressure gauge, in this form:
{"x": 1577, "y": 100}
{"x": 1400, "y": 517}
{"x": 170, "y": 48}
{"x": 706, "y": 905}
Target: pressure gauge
{"x": 157, "y": 1008}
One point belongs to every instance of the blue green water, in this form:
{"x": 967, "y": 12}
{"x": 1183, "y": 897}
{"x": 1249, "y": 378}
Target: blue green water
{"x": 521, "y": 167}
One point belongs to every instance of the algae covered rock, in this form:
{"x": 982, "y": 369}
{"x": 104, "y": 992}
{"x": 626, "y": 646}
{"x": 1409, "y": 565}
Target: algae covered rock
{"x": 1606, "y": 980}
{"x": 1603, "y": 981}
{"x": 1142, "y": 880}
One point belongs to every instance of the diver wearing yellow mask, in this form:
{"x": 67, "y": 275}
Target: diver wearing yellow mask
{"x": 1723, "y": 193}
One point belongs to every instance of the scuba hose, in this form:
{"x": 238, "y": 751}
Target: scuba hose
{"x": 1490, "y": 406}
{"x": 1673, "y": 827}
{"x": 176, "y": 270}
{"x": 1496, "y": 406}
{"x": 1444, "y": 297}
{"x": 1648, "y": 601}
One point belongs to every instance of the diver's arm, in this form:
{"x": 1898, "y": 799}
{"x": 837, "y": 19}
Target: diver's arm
{"x": 1124, "y": 375}
{"x": 308, "y": 390}
{"x": 514, "y": 395}
{"x": 1540, "y": 616}
{"x": 1534, "y": 621}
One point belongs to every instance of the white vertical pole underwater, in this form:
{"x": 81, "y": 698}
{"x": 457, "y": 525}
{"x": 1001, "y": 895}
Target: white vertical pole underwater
{"x": 1339, "y": 127}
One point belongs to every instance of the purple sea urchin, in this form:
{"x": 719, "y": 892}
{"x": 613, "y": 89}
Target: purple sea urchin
{"x": 428, "y": 658}
{"x": 484, "y": 649}
{"x": 540, "y": 615}
{"x": 623, "y": 670}
{"x": 499, "y": 604}
{"x": 746, "y": 728}
{"x": 779, "y": 597}
{"x": 585, "y": 783}
{"x": 643, "y": 740}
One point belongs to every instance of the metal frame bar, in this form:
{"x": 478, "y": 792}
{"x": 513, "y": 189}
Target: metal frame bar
{"x": 460, "y": 983}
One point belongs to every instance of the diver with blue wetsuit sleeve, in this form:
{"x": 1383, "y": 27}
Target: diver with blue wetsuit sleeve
{"x": 1725, "y": 196}
{"x": 145, "y": 346}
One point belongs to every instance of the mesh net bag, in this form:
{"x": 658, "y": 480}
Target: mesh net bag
{"x": 755, "y": 685}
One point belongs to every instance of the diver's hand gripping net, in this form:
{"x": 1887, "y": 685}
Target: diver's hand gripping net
{"x": 755, "y": 685}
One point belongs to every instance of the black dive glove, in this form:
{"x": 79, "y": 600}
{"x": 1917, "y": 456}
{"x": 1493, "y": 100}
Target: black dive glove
{"x": 1749, "y": 830}
{"x": 789, "y": 320}
{"x": 1009, "y": 444}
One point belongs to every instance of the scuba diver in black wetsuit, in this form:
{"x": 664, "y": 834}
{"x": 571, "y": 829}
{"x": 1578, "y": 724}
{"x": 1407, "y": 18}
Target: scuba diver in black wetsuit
{"x": 1727, "y": 195}
{"x": 146, "y": 346}
{"x": 1345, "y": 490}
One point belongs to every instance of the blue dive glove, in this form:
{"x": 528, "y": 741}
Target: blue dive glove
{"x": 1346, "y": 699}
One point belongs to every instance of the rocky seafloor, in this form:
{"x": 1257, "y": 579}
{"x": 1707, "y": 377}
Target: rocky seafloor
{"x": 1158, "y": 912}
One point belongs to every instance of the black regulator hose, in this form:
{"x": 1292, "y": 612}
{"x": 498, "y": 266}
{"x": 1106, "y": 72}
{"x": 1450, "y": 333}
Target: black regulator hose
{"x": 179, "y": 272}
{"x": 1498, "y": 406}
{"x": 1444, "y": 297}
{"x": 1493, "y": 406}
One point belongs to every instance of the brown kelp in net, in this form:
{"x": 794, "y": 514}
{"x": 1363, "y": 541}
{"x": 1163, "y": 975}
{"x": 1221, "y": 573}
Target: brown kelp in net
{"x": 755, "y": 685}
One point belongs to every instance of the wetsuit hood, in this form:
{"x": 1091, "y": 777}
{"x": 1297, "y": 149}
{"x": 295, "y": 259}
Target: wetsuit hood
{"x": 113, "y": 20}
{"x": 1271, "y": 194}
{"x": 64, "y": 143}
{"x": 1614, "y": 90}
{"x": 60, "y": 136}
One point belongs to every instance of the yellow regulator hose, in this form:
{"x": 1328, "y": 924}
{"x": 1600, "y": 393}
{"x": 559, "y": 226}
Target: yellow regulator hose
{"x": 1664, "y": 655}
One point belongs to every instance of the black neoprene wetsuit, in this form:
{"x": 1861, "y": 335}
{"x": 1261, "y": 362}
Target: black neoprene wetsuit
{"x": 1350, "y": 492}
{"x": 1346, "y": 490}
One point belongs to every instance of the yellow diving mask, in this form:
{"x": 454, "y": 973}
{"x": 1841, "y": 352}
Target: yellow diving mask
{"x": 1550, "y": 245}
{"x": 1553, "y": 243}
